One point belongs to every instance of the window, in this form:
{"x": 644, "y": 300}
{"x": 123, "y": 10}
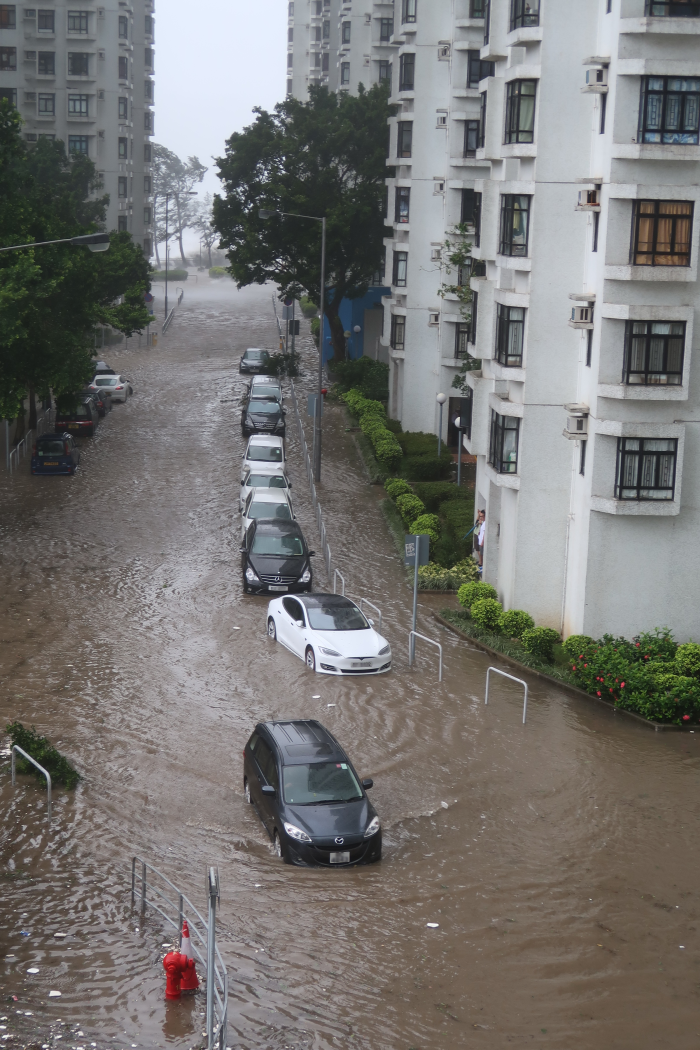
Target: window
{"x": 148, "y": 90}
{"x": 325, "y": 62}
{"x": 398, "y": 332}
{"x": 122, "y": 186}
{"x": 476, "y": 8}
{"x": 148, "y": 123}
{"x": 662, "y": 233}
{"x": 345, "y": 32}
{"x": 503, "y": 449}
{"x": 148, "y": 25}
{"x": 462, "y": 333}
{"x": 482, "y": 121}
{"x": 78, "y": 105}
{"x": 123, "y": 107}
{"x": 147, "y": 247}
{"x": 673, "y": 8}
{"x": 78, "y": 64}
{"x": 147, "y": 153}
{"x": 596, "y": 227}
{"x": 123, "y": 27}
{"x": 316, "y": 34}
{"x": 78, "y": 144}
{"x": 384, "y": 72}
{"x": 510, "y": 323}
{"x": 471, "y": 137}
{"x": 400, "y": 269}
{"x": 467, "y": 209}
{"x": 520, "y": 111}
{"x": 404, "y": 142}
{"x": 123, "y": 67}
{"x": 589, "y": 347}
{"x": 46, "y": 63}
{"x": 8, "y": 16}
{"x": 121, "y": 223}
{"x": 524, "y": 13}
{"x": 654, "y": 353}
{"x": 386, "y": 29}
{"x": 77, "y": 21}
{"x": 402, "y": 209}
{"x": 148, "y": 58}
{"x": 582, "y": 458}
{"x": 8, "y": 58}
{"x": 515, "y": 222}
{"x": 147, "y": 185}
{"x": 46, "y": 21}
{"x": 409, "y": 10}
{"x": 646, "y": 468}
{"x": 670, "y": 110}
{"x": 123, "y": 149}
{"x": 345, "y": 73}
{"x": 473, "y": 318}
{"x": 326, "y": 30}
{"x": 9, "y": 95}
{"x": 147, "y": 216}
{"x": 290, "y": 61}
{"x": 487, "y": 20}
{"x": 477, "y": 69}
{"x": 407, "y": 72}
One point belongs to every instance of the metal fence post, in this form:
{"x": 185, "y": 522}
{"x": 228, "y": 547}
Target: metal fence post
{"x": 181, "y": 915}
{"x": 133, "y": 881}
{"x": 15, "y": 748}
{"x": 213, "y": 893}
{"x": 513, "y": 679}
{"x": 143, "y": 887}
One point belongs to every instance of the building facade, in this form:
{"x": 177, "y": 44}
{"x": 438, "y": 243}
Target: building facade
{"x": 84, "y": 73}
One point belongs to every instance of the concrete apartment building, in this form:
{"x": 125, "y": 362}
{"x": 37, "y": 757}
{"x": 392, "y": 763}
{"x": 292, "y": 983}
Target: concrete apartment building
{"x": 82, "y": 71}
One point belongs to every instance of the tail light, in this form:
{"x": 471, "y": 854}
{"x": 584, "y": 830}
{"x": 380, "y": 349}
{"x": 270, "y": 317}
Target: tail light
{"x": 119, "y": 388}
{"x": 66, "y": 448}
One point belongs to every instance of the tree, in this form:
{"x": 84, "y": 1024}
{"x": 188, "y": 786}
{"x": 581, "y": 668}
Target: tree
{"x": 176, "y": 179}
{"x": 203, "y": 222}
{"x": 326, "y": 157}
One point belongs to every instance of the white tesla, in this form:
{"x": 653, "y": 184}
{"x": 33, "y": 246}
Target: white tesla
{"x": 329, "y": 632}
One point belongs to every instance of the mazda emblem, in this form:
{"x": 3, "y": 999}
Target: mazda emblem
{"x": 339, "y": 842}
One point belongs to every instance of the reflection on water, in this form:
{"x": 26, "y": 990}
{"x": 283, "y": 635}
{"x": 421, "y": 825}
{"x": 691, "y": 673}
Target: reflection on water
{"x": 558, "y": 859}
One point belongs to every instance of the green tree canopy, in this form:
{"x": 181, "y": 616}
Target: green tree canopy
{"x": 326, "y": 157}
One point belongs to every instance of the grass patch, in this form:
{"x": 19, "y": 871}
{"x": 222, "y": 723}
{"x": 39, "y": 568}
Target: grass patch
{"x": 40, "y": 748}
{"x": 396, "y": 526}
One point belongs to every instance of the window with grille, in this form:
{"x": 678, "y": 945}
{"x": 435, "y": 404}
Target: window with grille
{"x": 345, "y": 73}
{"x": 468, "y": 206}
{"x": 148, "y": 58}
{"x": 462, "y": 333}
{"x": 503, "y": 447}
{"x": 78, "y": 144}
{"x": 478, "y": 69}
{"x": 466, "y": 411}
{"x": 407, "y": 72}
{"x": 515, "y": 224}
{"x": 46, "y": 63}
{"x": 510, "y": 326}
{"x": 8, "y": 16}
{"x": 646, "y": 468}
{"x": 78, "y": 64}
{"x": 482, "y": 120}
{"x": 122, "y": 186}
{"x": 386, "y": 29}
{"x": 8, "y": 58}
{"x": 520, "y": 110}
{"x": 398, "y": 332}
{"x": 123, "y": 27}
{"x": 409, "y": 10}
{"x": 384, "y": 72}
{"x": 346, "y": 30}
{"x": 9, "y": 95}
{"x": 148, "y": 90}
{"x": 123, "y": 68}
{"x": 400, "y": 269}
{"x": 662, "y": 231}
{"x": 46, "y": 21}
{"x": 524, "y": 13}
{"x": 402, "y": 206}
{"x": 326, "y": 30}
{"x": 148, "y": 123}
{"x": 476, "y": 8}
{"x": 487, "y": 20}
{"x": 46, "y": 105}
{"x": 404, "y": 141}
{"x": 78, "y": 105}
{"x": 670, "y": 110}
{"x": 672, "y": 8}
{"x": 654, "y": 353}
{"x": 325, "y": 62}
{"x": 471, "y": 137}
{"x": 77, "y": 21}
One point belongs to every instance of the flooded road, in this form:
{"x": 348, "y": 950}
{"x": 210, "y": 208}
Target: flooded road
{"x": 559, "y": 858}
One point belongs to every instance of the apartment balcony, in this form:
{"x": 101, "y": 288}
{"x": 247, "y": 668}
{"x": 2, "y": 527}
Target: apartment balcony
{"x": 661, "y": 26}
{"x": 654, "y": 151}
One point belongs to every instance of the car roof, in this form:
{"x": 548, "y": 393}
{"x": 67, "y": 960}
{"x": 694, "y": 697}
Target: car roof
{"x": 278, "y": 525}
{"x": 265, "y": 379}
{"x": 265, "y": 495}
{"x": 255, "y": 350}
{"x": 337, "y": 600}
{"x": 52, "y": 437}
{"x": 304, "y": 740}
{"x": 266, "y": 439}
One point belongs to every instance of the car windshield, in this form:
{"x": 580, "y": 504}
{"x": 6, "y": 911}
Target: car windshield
{"x": 106, "y": 381}
{"x": 265, "y": 454}
{"x": 50, "y": 448}
{"x": 335, "y": 615}
{"x": 254, "y": 355}
{"x": 309, "y": 785}
{"x": 289, "y": 546}
{"x": 263, "y": 408}
{"x": 269, "y": 510}
{"x": 266, "y": 481}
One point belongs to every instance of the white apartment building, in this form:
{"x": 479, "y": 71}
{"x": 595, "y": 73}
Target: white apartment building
{"x": 312, "y": 45}
{"x": 82, "y": 71}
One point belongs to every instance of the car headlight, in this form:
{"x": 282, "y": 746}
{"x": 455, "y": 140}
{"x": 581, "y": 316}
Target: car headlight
{"x": 305, "y": 578}
{"x": 296, "y": 833}
{"x": 372, "y": 828}
{"x": 328, "y": 652}
{"x": 251, "y": 576}
{"x": 385, "y": 650}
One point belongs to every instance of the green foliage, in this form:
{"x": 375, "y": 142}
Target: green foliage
{"x": 394, "y": 425}
{"x": 459, "y": 514}
{"x": 370, "y": 377}
{"x": 409, "y": 507}
{"x": 315, "y": 327}
{"x": 656, "y": 645}
{"x": 486, "y": 613}
{"x": 418, "y": 443}
{"x": 387, "y": 450}
{"x": 373, "y": 424}
{"x": 283, "y": 365}
{"x": 181, "y": 275}
{"x": 688, "y": 659}
{"x": 217, "y": 271}
{"x": 308, "y": 307}
{"x": 576, "y": 645}
{"x": 472, "y": 592}
{"x": 540, "y": 642}
{"x": 425, "y": 468}
{"x": 396, "y": 487}
{"x": 426, "y": 525}
{"x": 436, "y": 493}
{"x": 515, "y": 622}
{"x": 432, "y": 577}
{"x": 60, "y": 769}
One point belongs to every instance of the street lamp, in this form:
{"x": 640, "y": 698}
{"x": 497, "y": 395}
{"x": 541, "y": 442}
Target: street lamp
{"x": 188, "y": 193}
{"x": 441, "y": 399}
{"x": 264, "y": 213}
{"x": 458, "y": 424}
{"x": 96, "y": 242}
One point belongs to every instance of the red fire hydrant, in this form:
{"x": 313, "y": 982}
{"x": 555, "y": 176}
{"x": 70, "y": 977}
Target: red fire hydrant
{"x": 190, "y": 981}
{"x": 174, "y": 964}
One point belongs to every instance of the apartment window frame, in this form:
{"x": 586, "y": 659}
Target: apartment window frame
{"x": 487, "y": 20}
{"x": 123, "y": 148}
{"x": 520, "y": 111}
{"x": 477, "y": 8}
{"x": 345, "y": 32}
{"x": 473, "y": 318}
{"x": 642, "y": 470}
{"x": 8, "y": 59}
{"x": 513, "y": 213}
{"x": 402, "y": 205}
{"x": 79, "y": 144}
{"x": 9, "y": 95}
{"x": 482, "y": 119}
{"x": 504, "y": 443}
{"x": 386, "y": 30}
{"x": 46, "y": 63}
{"x": 404, "y": 139}
{"x": 472, "y": 137}
{"x": 123, "y": 107}
{"x": 147, "y": 215}
{"x": 122, "y": 224}
{"x": 399, "y": 275}
{"x": 657, "y": 128}
{"x": 147, "y": 152}
{"x": 78, "y": 105}
{"x": 468, "y": 207}
{"x": 147, "y": 185}
{"x": 653, "y": 214}
{"x": 478, "y": 69}
{"x": 398, "y": 332}
{"x": 409, "y": 12}
{"x": 123, "y": 67}
{"x": 122, "y": 185}
{"x": 123, "y": 27}
{"x": 384, "y": 76}
{"x": 46, "y": 20}
{"x": 344, "y": 74}
{"x": 407, "y": 71}
{"x": 78, "y": 22}
{"x": 8, "y": 16}
{"x": 463, "y": 331}
{"x": 78, "y": 60}
{"x": 149, "y": 25}
{"x": 649, "y": 353}
{"x": 672, "y": 9}
{"x": 510, "y": 335}
{"x": 520, "y": 17}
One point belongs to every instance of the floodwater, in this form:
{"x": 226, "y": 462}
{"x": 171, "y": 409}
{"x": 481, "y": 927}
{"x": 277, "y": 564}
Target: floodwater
{"x": 560, "y": 859}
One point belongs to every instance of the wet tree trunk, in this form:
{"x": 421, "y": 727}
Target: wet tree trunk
{"x": 337, "y": 331}
{"x": 20, "y": 425}
{"x": 180, "y": 231}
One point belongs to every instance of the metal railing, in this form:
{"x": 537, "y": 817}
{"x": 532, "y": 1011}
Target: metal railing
{"x": 337, "y": 573}
{"x": 366, "y": 601}
{"x": 16, "y": 747}
{"x": 320, "y": 524}
{"x": 166, "y": 322}
{"x": 412, "y": 635}
{"x": 513, "y": 679}
{"x": 203, "y": 942}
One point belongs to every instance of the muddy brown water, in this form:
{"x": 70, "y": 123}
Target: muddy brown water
{"x": 560, "y": 859}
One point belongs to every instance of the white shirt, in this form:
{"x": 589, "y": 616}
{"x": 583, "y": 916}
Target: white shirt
{"x": 482, "y": 533}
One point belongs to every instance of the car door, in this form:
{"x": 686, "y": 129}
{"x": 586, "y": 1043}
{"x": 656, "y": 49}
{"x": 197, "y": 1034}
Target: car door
{"x": 267, "y": 767}
{"x": 292, "y": 615}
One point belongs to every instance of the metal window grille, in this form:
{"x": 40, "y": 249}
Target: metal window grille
{"x": 515, "y": 222}
{"x": 510, "y": 326}
{"x": 400, "y": 269}
{"x": 78, "y": 144}
{"x": 478, "y": 69}
{"x": 409, "y": 10}
{"x": 404, "y": 141}
{"x": 524, "y": 13}
{"x": 407, "y": 72}
{"x": 654, "y": 352}
{"x": 78, "y": 64}
{"x": 78, "y": 105}
{"x": 398, "y": 332}
{"x": 672, "y": 8}
{"x": 520, "y": 110}
{"x": 471, "y": 137}
{"x": 503, "y": 448}
{"x": 346, "y": 30}
{"x": 8, "y": 16}
{"x": 46, "y": 21}
{"x": 77, "y": 21}
{"x": 670, "y": 110}
{"x": 482, "y": 120}
{"x": 402, "y": 208}
{"x": 462, "y": 333}
{"x": 662, "y": 231}
{"x": 384, "y": 72}
{"x": 123, "y": 149}
{"x": 8, "y": 59}
{"x": 646, "y": 468}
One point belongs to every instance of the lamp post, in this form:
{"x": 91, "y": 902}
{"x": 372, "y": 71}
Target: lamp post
{"x": 458, "y": 424}
{"x": 96, "y": 242}
{"x": 441, "y": 399}
{"x": 265, "y": 214}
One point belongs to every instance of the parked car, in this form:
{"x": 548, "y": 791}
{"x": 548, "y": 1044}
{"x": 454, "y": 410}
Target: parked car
{"x": 103, "y": 401}
{"x": 118, "y": 387}
{"x": 103, "y": 369}
{"x": 260, "y": 479}
{"x": 254, "y": 360}
{"x": 54, "y": 454}
{"x": 275, "y": 557}
{"x": 263, "y": 416}
{"x": 263, "y": 450}
{"x": 309, "y": 797}
{"x": 265, "y": 386}
{"x": 330, "y": 633}
{"x": 79, "y": 418}
{"x": 274, "y": 504}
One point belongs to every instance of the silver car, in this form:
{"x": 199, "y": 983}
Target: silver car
{"x": 266, "y": 503}
{"x": 262, "y": 478}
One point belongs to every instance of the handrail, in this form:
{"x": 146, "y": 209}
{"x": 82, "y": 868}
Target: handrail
{"x": 366, "y": 601}
{"x": 16, "y": 747}
{"x": 513, "y": 679}
{"x": 411, "y": 648}
{"x": 167, "y": 321}
{"x": 335, "y": 575}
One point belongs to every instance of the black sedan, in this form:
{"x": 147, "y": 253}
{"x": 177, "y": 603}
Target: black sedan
{"x": 309, "y": 797}
{"x": 103, "y": 402}
{"x": 263, "y": 415}
{"x": 275, "y": 558}
{"x": 254, "y": 361}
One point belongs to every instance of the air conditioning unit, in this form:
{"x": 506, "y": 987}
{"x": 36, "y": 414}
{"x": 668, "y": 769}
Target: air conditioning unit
{"x": 30, "y": 12}
{"x": 576, "y": 428}
{"x": 439, "y": 186}
{"x": 101, "y": 95}
{"x": 30, "y": 56}
{"x": 442, "y": 118}
{"x": 581, "y": 317}
{"x": 435, "y": 254}
{"x": 434, "y": 319}
{"x": 444, "y": 53}
{"x": 597, "y": 77}
{"x": 588, "y": 199}
{"x": 30, "y": 96}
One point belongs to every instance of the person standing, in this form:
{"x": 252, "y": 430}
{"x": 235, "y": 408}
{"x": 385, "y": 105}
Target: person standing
{"x": 480, "y": 534}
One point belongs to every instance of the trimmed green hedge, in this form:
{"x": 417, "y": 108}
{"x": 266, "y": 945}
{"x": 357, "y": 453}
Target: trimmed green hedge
{"x": 173, "y": 275}
{"x": 370, "y": 377}
{"x": 372, "y": 418}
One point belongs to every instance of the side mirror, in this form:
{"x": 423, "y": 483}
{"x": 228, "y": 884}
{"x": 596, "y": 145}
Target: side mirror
{"x": 370, "y": 621}
{"x": 312, "y": 554}
{"x": 299, "y": 623}
{"x": 290, "y": 484}
{"x": 241, "y": 550}
{"x": 267, "y": 789}
{"x": 367, "y": 783}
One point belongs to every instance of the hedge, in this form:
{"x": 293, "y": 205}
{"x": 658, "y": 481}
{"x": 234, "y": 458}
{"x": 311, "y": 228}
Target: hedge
{"x": 486, "y": 613}
{"x": 397, "y": 487}
{"x": 373, "y": 424}
{"x": 409, "y": 507}
{"x": 435, "y": 494}
{"x": 217, "y": 271}
{"x": 60, "y": 769}
{"x": 173, "y": 275}
{"x": 432, "y": 577}
{"x": 471, "y": 592}
{"x": 427, "y": 525}
{"x": 515, "y": 622}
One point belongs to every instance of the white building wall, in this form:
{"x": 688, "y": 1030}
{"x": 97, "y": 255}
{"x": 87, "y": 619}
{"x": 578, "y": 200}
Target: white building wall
{"x": 312, "y": 45}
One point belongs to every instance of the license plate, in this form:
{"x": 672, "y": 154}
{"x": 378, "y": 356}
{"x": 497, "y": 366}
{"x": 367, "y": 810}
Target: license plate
{"x": 50, "y": 463}
{"x": 340, "y": 858}
{"x": 73, "y": 426}
{"x": 359, "y": 663}
{"x": 274, "y": 588}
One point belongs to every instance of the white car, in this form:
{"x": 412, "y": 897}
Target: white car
{"x": 263, "y": 479}
{"x": 118, "y": 387}
{"x": 330, "y": 633}
{"x": 263, "y": 449}
{"x": 265, "y": 386}
{"x": 266, "y": 503}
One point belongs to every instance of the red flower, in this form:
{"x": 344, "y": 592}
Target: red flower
{"x": 686, "y": 718}
{"x": 573, "y": 667}
{"x": 646, "y": 657}
{"x": 598, "y": 693}
{"x": 638, "y": 645}
{"x": 581, "y": 656}
{"x": 611, "y": 690}
{"x": 622, "y": 685}
{"x": 585, "y": 665}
